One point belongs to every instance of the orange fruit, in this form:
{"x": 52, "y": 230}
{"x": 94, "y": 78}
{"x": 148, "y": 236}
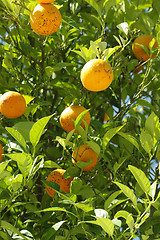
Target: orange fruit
{"x": 45, "y": 1}
{"x": 83, "y": 154}
{"x": 12, "y": 104}
{"x": 1, "y": 152}
{"x": 138, "y": 51}
{"x": 96, "y": 75}
{"x": 57, "y": 177}
{"x": 70, "y": 113}
{"x": 45, "y": 19}
{"x": 106, "y": 118}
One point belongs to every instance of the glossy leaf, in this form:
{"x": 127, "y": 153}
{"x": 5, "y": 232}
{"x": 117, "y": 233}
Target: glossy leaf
{"x": 126, "y": 215}
{"x": 109, "y": 134}
{"x": 36, "y": 130}
{"x": 141, "y": 178}
{"x": 128, "y": 192}
{"x": 17, "y": 136}
{"x": 10, "y": 227}
{"x": 106, "y": 224}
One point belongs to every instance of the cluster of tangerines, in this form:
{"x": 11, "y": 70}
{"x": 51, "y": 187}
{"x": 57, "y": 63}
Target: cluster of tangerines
{"x": 96, "y": 75}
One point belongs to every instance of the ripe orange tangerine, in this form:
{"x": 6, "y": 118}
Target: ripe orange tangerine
{"x": 138, "y": 51}
{"x": 70, "y": 113}
{"x": 106, "y": 118}
{"x": 57, "y": 177}
{"x": 83, "y": 154}
{"x": 45, "y": 19}
{"x": 1, "y": 152}
{"x": 96, "y": 75}
{"x": 45, "y": 1}
{"x": 12, "y": 104}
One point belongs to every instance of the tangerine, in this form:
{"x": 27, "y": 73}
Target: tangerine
{"x": 12, "y": 104}
{"x": 1, "y": 152}
{"x": 45, "y": 19}
{"x": 70, "y": 113}
{"x": 106, "y": 118}
{"x": 83, "y": 154}
{"x": 45, "y": 1}
{"x": 96, "y": 75}
{"x": 57, "y": 177}
{"x": 138, "y": 51}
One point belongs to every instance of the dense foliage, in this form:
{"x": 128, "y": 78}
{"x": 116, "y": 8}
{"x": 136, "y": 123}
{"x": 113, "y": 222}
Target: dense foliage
{"x": 119, "y": 198}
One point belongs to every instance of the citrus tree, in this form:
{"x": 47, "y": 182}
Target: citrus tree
{"x": 90, "y": 173}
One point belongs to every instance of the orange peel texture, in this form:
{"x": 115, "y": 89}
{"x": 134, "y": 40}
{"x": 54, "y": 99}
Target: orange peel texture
{"x": 45, "y": 19}
{"x": 57, "y": 177}
{"x": 12, "y": 104}
{"x": 96, "y": 75}
{"x": 138, "y": 51}
{"x": 83, "y": 154}
{"x": 70, "y": 113}
{"x": 45, "y": 1}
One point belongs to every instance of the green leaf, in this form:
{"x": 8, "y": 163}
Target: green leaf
{"x": 71, "y": 172}
{"x": 83, "y": 206}
{"x": 52, "y": 185}
{"x": 109, "y": 135}
{"x": 3, "y": 165}
{"x": 123, "y": 27}
{"x": 95, "y": 6}
{"x": 144, "y": 218}
{"x": 94, "y": 146}
{"x": 141, "y": 178}
{"x": 118, "y": 164}
{"x": 152, "y": 125}
{"x": 130, "y": 138}
{"x": 24, "y": 162}
{"x": 80, "y": 117}
{"x": 16, "y": 181}
{"x": 57, "y": 209}
{"x": 110, "y": 199}
{"x": 69, "y": 21}
{"x": 10, "y": 227}
{"x": 153, "y": 189}
{"x": 36, "y": 130}
{"x": 128, "y": 192}
{"x": 24, "y": 128}
{"x": 4, "y": 236}
{"x": 61, "y": 141}
{"x": 69, "y": 135}
{"x": 28, "y": 99}
{"x": 109, "y": 52}
{"x": 82, "y": 54}
{"x": 83, "y": 164}
{"x": 146, "y": 141}
{"x": 106, "y": 224}
{"x": 76, "y": 185}
{"x": 101, "y": 213}
{"x": 126, "y": 215}
{"x": 82, "y": 132}
{"x": 49, "y": 70}
{"x": 50, "y": 164}
{"x": 17, "y": 136}
{"x": 52, "y": 231}
{"x": 145, "y": 103}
